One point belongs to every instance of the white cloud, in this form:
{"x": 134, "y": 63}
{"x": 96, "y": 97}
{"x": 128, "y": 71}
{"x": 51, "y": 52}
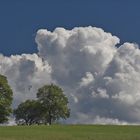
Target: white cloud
{"x": 87, "y": 79}
{"x": 98, "y": 78}
{"x": 25, "y": 74}
{"x": 101, "y": 93}
{"x": 98, "y": 120}
{"x": 102, "y": 120}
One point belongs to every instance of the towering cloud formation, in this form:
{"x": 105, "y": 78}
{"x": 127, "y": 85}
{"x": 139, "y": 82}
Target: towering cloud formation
{"x": 100, "y": 80}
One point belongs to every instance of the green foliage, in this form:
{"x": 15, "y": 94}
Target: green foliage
{"x": 28, "y": 112}
{"x": 50, "y": 106}
{"x": 54, "y": 101}
{"x": 6, "y": 97}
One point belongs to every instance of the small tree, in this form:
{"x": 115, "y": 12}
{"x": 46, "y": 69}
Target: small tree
{"x": 6, "y": 97}
{"x": 28, "y": 112}
{"x": 54, "y": 101}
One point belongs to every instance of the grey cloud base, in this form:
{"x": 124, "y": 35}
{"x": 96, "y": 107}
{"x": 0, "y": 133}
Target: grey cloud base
{"x": 100, "y": 80}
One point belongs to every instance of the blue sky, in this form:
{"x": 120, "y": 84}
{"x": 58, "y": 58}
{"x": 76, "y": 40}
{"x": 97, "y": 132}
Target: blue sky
{"x": 20, "y": 19}
{"x": 82, "y": 60}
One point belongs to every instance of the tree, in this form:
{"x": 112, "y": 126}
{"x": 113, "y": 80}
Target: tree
{"x": 6, "y": 97}
{"x": 28, "y": 112}
{"x": 55, "y": 103}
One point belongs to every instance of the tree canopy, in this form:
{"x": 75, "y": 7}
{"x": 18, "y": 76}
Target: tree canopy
{"x": 54, "y": 101}
{"x": 51, "y": 105}
{"x": 6, "y": 97}
{"x": 28, "y": 112}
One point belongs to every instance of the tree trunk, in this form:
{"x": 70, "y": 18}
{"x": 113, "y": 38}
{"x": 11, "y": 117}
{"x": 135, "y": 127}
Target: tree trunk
{"x": 50, "y": 118}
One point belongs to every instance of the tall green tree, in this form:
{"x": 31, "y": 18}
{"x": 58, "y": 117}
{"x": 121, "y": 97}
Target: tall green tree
{"x": 29, "y": 112}
{"x": 6, "y": 97}
{"x": 55, "y": 103}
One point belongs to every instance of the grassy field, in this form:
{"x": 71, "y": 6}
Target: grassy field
{"x": 70, "y": 132}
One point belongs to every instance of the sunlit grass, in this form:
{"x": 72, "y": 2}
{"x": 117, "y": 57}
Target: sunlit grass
{"x": 70, "y": 132}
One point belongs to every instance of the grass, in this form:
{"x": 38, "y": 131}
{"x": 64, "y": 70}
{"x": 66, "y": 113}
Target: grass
{"x": 70, "y": 132}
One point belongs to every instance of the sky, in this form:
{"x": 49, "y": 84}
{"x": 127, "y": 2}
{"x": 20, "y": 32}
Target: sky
{"x": 21, "y": 19}
{"x": 89, "y": 48}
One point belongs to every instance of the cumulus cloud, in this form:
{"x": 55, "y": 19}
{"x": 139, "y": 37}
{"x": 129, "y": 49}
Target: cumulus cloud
{"x": 98, "y": 120}
{"x": 25, "y": 74}
{"x": 101, "y": 93}
{"x": 87, "y": 79}
{"x": 100, "y": 79}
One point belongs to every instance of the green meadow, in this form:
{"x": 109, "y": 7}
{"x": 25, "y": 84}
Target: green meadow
{"x": 70, "y": 132}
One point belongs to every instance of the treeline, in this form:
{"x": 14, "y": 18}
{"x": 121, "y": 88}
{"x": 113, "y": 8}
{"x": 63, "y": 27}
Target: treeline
{"x": 50, "y": 105}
